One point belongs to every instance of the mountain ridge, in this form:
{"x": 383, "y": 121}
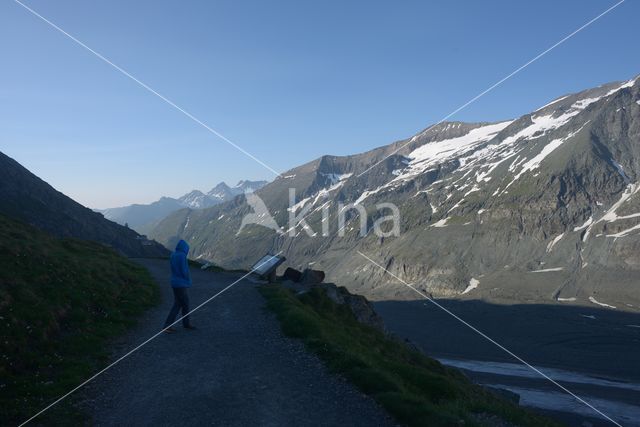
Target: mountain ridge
{"x": 504, "y": 205}
{"x": 142, "y": 217}
{"x": 27, "y": 198}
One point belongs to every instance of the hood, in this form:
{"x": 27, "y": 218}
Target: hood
{"x": 183, "y": 247}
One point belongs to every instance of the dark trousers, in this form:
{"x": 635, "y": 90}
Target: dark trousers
{"x": 181, "y": 301}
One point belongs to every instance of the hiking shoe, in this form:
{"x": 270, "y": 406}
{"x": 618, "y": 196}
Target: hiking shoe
{"x": 191, "y": 327}
{"x": 169, "y": 330}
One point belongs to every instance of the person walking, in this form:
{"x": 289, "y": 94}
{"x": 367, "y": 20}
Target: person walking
{"x": 180, "y": 282}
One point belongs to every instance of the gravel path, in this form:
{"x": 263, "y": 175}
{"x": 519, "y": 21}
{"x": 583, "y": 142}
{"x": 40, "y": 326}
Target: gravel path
{"x": 236, "y": 369}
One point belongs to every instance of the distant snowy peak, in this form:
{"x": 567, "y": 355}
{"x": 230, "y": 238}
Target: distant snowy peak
{"x": 142, "y": 216}
{"x": 223, "y": 192}
{"x": 245, "y": 186}
{"x": 196, "y": 200}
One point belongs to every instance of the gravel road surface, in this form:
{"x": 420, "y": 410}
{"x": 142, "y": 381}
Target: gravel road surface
{"x": 237, "y": 369}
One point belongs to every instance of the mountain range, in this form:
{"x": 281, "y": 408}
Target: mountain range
{"x": 543, "y": 207}
{"x": 27, "y": 198}
{"x": 142, "y": 217}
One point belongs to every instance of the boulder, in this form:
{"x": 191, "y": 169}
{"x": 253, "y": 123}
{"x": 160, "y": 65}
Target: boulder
{"x": 292, "y": 274}
{"x": 312, "y": 277}
{"x": 361, "y": 308}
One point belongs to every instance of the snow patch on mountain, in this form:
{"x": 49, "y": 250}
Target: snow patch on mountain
{"x": 441, "y": 223}
{"x": 624, "y": 233}
{"x": 335, "y": 182}
{"x": 545, "y": 123}
{"x": 611, "y": 215}
{"x": 472, "y": 151}
{"x": 299, "y": 205}
{"x": 585, "y": 225}
{"x": 473, "y": 283}
{"x": 433, "y": 153}
{"x": 368, "y": 193}
{"x": 547, "y": 270}
{"x": 335, "y": 177}
{"x": 535, "y": 162}
{"x": 554, "y": 241}
{"x": 195, "y": 200}
{"x": 222, "y": 192}
{"x": 593, "y": 300}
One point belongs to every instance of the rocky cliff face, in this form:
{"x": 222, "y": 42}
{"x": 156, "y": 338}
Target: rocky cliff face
{"x": 26, "y": 197}
{"x": 544, "y": 207}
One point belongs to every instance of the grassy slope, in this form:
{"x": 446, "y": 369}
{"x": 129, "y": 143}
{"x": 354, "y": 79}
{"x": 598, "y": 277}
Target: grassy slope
{"x": 417, "y": 390}
{"x": 60, "y": 301}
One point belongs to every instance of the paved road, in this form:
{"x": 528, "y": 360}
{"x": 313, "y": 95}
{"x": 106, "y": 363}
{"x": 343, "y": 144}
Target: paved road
{"x": 237, "y": 369}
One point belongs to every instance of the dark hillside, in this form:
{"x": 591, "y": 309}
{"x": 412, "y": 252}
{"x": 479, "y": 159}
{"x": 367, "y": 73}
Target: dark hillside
{"x": 60, "y": 300}
{"x": 26, "y": 197}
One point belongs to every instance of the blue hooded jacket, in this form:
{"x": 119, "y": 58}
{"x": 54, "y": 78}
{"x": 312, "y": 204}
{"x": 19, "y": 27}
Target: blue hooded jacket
{"x": 180, "y": 276}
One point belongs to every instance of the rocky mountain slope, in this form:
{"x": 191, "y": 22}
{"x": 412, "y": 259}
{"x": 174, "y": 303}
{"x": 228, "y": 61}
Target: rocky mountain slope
{"x": 143, "y": 217}
{"x": 26, "y": 197}
{"x": 543, "y": 207}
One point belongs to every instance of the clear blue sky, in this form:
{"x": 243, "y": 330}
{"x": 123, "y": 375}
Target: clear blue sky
{"x": 287, "y": 80}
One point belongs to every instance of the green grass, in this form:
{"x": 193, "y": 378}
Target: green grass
{"x": 61, "y": 300}
{"x": 415, "y": 389}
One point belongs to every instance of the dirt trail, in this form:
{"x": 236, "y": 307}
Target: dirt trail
{"x": 237, "y": 369}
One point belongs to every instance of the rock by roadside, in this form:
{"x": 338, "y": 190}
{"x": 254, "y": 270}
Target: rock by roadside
{"x": 361, "y": 308}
